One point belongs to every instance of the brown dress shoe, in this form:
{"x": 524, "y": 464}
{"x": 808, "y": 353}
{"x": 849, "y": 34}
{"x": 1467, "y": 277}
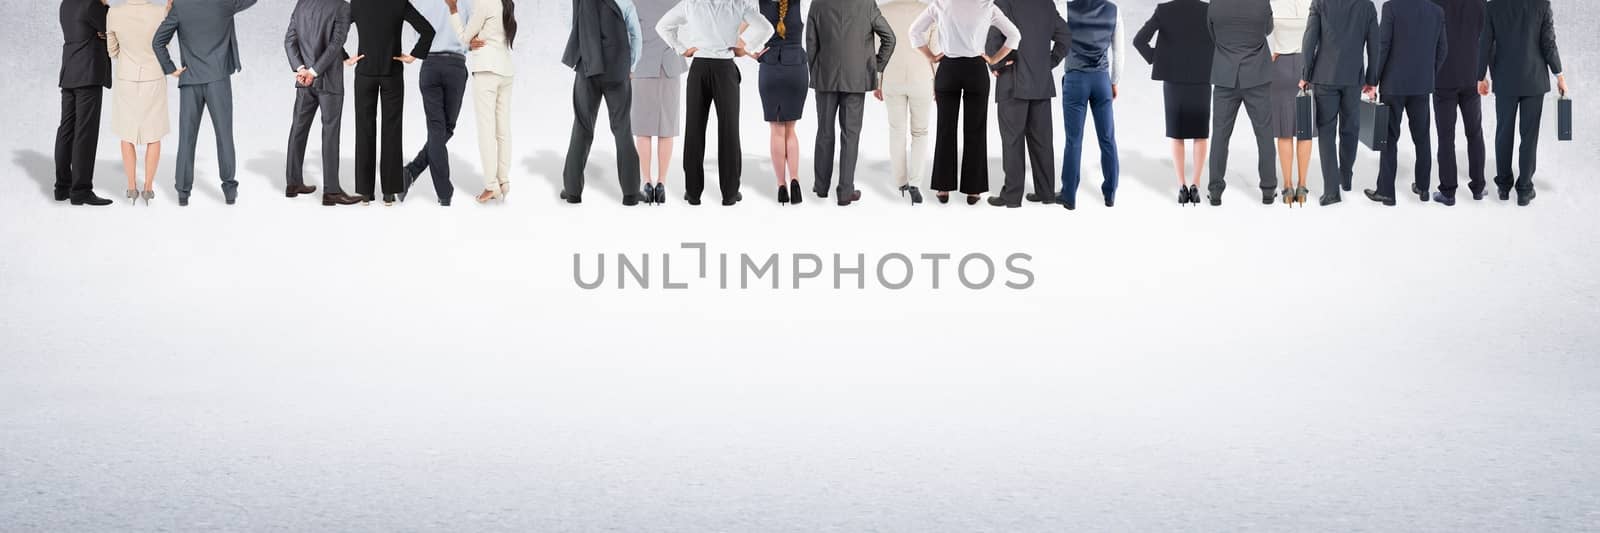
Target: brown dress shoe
{"x": 340, "y": 198}
{"x": 297, "y": 190}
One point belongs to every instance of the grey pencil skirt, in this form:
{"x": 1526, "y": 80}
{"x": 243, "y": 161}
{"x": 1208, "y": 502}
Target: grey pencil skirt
{"x": 1285, "y": 87}
{"x": 657, "y": 107}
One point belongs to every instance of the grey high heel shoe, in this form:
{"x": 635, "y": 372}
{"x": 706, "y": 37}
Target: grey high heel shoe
{"x": 148, "y": 195}
{"x": 133, "y": 196}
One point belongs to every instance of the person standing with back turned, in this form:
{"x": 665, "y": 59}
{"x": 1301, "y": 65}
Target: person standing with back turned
{"x": 1023, "y": 88}
{"x": 1341, "y": 38}
{"x": 1089, "y": 87}
{"x": 657, "y": 101}
{"x": 1181, "y": 60}
{"x": 315, "y": 46}
{"x": 1519, "y": 49}
{"x": 442, "y": 83}
{"x": 1457, "y": 89}
{"x": 1411, "y": 48}
{"x": 1241, "y": 70}
{"x": 961, "y": 87}
{"x": 602, "y": 71}
{"x": 1288, "y": 35}
{"x": 845, "y": 66}
{"x": 494, "y": 25}
{"x": 85, "y": 74}
{"x": 210, "y": 52}
{"x": 139, "y": 109}
{"x": 382, "y": 80}
{"x": 907, "y": 92}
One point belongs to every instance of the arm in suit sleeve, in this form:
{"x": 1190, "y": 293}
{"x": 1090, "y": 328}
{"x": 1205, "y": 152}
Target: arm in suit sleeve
{"x": 1443, "y": 49}
{"x": 1547, "y": 41}
{"x": 1374, "y": 60}
{"x": 886, "y": 41}
{"x": 163, "y": 37}
{"x": 1142, "y": 40}
{"x": 1485, "y": 49}
{"x": 424, "y": 31}
{"x": 1385, "y": 47}
{"x": 291, "y": 47}
{"x": 329, "y": 61}
{"x": 1061, "y": 42}
{"x": 1312, "y": 41}
{"x": 241, "y": 5}
{"x": 811, "y": 38}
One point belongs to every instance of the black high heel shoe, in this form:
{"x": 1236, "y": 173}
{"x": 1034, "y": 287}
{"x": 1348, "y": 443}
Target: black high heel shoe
{"x": 1194, "y": 195}
{"x": 661, "y": 194}
{"x": 648, "y": 195}
{"x": 1183, "y": 196}
{"x": 794, "y": 192}
{"x": 783, "y": 195}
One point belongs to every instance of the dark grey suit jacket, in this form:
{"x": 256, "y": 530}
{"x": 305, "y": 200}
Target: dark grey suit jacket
{"x": 84, "y": 61}
{"x": 1411, "y": 47}
{"x": 1339, "y": 34}
{"x": 206, "y": 40}
{"x": 317, "y": 32}
{"x": 597, "y": 46}
{"x": 1239, "y": 29}
{"x": 1519, "y": 47}
{"x": 1045, "y": 42}
{"x": 840, "y": 39}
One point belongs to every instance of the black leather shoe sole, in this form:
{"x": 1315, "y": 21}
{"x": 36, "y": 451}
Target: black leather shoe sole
{"x": 1522, "y": 199}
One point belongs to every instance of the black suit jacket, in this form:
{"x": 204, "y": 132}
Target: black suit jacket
{"x": 1338, "y": 34}
{"x": 1239, "y": 30}
{"x": 84, "y": 60}
{"x": 1045, "y": 42}
{"x": 1412, "y": 45}
{"x": 1183, "y": 49}
{"x": 597, "y": 46}
{"x": 315, "y": 40}
{"x": 378, "y": 26}
{"x": 1519, "y": 47}
{"x": 1463, "y": 27}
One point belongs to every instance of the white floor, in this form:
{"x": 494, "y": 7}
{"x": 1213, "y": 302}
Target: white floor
{"x": 277, "y": 365}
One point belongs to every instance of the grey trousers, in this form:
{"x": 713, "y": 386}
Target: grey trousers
{"x": 194, "y": 101}
{"x": 307, "y": 102}
{"x": 845, "y": 110}
{"x": 587, "y": 95}
{"x": 1257, "y": 101}
{"x": 1027, "y": 138}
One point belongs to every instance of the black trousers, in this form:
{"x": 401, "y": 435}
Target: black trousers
{"x": 1338, "y": 134}
{"x": 961, "y": 86}
{"x": 713, "y": 82}
{"x": 1415, "y": 108}
{"x": 443, "y": 84}
{"x": 76, "y": 140}
{"x": 1507, "y": 108}
{"x": 1446, "y": 102}
{"x": 307, "y": 102}
{"x": 1027, "y": 139}
{"x": 370, "y": 91}
{"x": 587, "y": 95}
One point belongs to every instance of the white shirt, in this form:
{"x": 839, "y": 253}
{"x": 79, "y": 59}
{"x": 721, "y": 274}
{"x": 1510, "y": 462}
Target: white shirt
{"x": 711, "y": 27}
{"x": 963, "y": 26}
{"x": 1289, "y": 19}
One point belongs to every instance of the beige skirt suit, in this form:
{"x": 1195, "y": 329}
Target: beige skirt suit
{"x": 139, "y": 92}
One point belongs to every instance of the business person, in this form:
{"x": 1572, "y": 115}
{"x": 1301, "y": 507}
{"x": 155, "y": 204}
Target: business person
{"x": 1516, "y": 58}
{"x": 709, "y": 32}
{"x": 1411, "y": 48}
{"x": 1181, "y": 59}
{"x": 210, "y": 52}
{"x": 1289, "y": 19}
{"x": 139, "y": 96}
{"x": 1094, "y": 68}
{"x": 1024, "y": 85}
{"x": 442, "y": 83}
{"x": 657, "y": 100}
{"x": 907, "y": 93}
{"x": 381, "y": 83}
{"x": 315, "y": 46}
{"x": 1456, "y": 90}
{"x": 1341, "y": 40}
{"x": 782, "y": 81}
{"x": 85, "y": 74}
{"x": 850, "y": 44}
{"x": 494, "y": 22}
{"x": 961, "y": 86}
{"x": 602, "y": 69}
{"x": 1241, "y": 71}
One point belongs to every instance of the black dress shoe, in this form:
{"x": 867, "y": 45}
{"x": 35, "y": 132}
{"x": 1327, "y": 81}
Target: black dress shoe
{"x": 821, "y": 194}
{"x": 1478, "y": 195}
{"x": 1446, "y": 200}
{"x": 183, "y": 201}
{"x": 89, "y": 198}
{"x": 389, "y": 199}
{"x": 1329, "y": 199}
{"x": 1505, "y": 194}
{"x": 1347, "y": 186}
{"x": 733, "y": 200}
{"x": 1001, "y": 202}
{"x": 230, "y": 199}
{"x": 630, "y": 200}
{"x": 1070, "y": 206}
{"x": 1215, "y": 198}
{"x": 1421, "y": 194}
{"x": 943, "y": 196}
{"x": 1269, "y": 196}
{"x": 854, "y": 197}
{"x": 406, "y": 179}
{"x": 693, "y": 200}
{"x": 783, "y": 195}
{"x": 794, "y": 192}
{"x": 571, "y": 198}
{"x": 63, "y": 195}
{"x": 1036, "y": 198}
{"x": 1522, "y": 199}
{"x": 340, "y": 198}
{"x": 1374, "y": 196}
{"x": 444, "y": 202}
{"x": 916, "y": 196}
{"x": 297, "y": 190}
{"x": 1111, "y": 201}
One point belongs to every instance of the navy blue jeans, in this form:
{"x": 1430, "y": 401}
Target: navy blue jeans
{"x": 1081, "y": 94}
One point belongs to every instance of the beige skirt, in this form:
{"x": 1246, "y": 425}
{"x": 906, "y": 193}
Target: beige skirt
{"x": 139, "y": 110}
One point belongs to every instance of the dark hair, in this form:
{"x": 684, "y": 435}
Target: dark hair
{"x": 508, "y": 18}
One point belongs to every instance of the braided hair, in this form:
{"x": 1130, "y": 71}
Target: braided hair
{"x": 783, "y": 15}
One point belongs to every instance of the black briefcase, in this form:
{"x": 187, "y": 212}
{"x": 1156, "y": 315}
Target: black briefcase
{"x": 1564, "y": 119}
{"x": 1375, "y": 119}
{"x": 1305, "y": 124}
